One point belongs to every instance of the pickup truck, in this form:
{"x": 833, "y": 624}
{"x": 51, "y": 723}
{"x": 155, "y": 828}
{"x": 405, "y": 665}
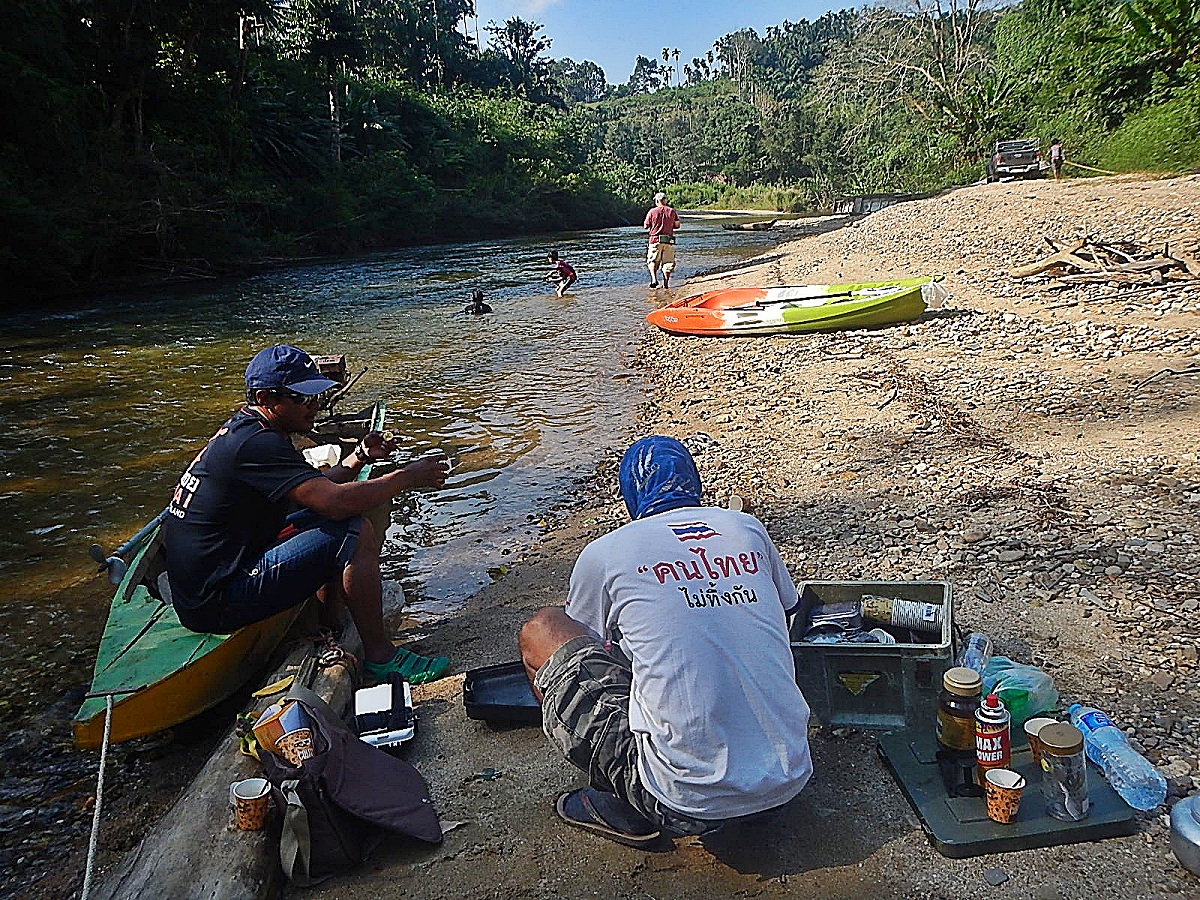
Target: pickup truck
{"x": 1015, "y": 159}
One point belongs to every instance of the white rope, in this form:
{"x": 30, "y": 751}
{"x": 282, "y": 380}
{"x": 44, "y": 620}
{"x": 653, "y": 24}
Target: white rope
{"x": 91, "y": 857}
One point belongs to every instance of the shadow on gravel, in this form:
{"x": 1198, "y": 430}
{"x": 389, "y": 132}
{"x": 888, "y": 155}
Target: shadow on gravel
{"x": 849, "y": 810}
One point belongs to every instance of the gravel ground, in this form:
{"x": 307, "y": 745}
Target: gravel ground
{"x": 1009, "y": 443}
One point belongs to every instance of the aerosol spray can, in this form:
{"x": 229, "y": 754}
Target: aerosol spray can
{"x": 993, "y": 746}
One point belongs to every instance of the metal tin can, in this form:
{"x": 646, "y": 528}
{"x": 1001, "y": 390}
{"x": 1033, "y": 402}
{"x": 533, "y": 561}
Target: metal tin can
{"x": 957, "y": 704}
{"x": 1185, "y": 833}
{"x": 1064, "y": 772}
{"x": 993, "y": 745}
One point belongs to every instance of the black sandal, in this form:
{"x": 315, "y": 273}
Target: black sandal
{"x": 606, "y": 815}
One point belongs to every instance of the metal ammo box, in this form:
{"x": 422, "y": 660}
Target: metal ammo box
{"x": 873, "y": 685}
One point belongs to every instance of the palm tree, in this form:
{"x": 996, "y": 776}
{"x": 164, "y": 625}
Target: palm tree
{"x": 666, "y": 58}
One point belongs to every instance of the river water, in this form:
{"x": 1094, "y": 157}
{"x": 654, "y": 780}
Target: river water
{"x": 104, "y": 405}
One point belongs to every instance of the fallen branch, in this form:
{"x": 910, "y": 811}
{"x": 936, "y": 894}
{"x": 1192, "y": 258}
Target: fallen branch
{"x": 1167, "y": 373}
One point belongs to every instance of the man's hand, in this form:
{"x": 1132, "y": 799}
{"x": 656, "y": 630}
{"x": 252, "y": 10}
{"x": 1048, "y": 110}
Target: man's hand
{"x": 428, "y": 471}
{"x": 377, "y": 445}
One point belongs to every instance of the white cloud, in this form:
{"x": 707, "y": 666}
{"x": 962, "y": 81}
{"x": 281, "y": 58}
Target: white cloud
{"x": 530, "y": 8}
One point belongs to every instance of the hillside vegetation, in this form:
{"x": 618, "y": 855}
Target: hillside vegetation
{"x": 189, "y": 137}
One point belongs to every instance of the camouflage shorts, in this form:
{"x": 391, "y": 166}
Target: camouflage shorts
{"x": 585, "y": 714}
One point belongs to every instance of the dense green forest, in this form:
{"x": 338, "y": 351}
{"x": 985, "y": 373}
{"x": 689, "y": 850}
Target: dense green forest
{"x": 150, "y": 139}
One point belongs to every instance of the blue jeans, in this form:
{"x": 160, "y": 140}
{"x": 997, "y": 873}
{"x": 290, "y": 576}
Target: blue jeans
{"x": 312, "y": 550}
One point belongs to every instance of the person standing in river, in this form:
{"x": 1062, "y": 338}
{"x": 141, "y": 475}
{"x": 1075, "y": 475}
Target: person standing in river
{"x": 561, "y": 272}
{"x": 235, "y": 556}
{"x": 662, "y": 222}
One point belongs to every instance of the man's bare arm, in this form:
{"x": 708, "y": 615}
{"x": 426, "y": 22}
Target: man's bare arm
{"x": 341, "y": 501}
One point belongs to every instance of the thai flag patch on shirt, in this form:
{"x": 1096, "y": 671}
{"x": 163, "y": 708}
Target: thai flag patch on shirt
{"x": 693, "y": 531}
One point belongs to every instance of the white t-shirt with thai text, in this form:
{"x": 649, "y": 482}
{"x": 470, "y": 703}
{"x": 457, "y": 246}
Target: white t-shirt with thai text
{"x": 698, "y": 597}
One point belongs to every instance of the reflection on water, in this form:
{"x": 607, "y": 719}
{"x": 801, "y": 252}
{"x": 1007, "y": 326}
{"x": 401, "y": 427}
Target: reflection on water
{"x": 104, "y": 406}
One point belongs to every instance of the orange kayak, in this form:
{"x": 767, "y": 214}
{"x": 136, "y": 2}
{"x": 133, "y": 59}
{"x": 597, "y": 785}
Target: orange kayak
{"x": 799, "y": 308}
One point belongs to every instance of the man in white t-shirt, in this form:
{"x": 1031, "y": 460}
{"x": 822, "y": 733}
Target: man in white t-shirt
{"x": 668, "y": 678}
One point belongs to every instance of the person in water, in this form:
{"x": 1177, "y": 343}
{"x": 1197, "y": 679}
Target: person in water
{"x": 234, "y": 554}
{"x": 477, "y": 306}
{"x": 677, "y": 697}
{"x": 662, "y": 221}
{"x": 561, "y": 271}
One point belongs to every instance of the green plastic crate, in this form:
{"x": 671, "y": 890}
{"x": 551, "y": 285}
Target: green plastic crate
{"x": 873, "y": 685}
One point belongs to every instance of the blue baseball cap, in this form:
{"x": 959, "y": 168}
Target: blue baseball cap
{"x": 282, "y": 366}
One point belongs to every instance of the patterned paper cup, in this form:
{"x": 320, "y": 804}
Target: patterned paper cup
{"x": 296, "y": 746}
{"x": 1032, "y": 727}
{"x": 1002, "y": 788}
{"x": 250, "y": 800}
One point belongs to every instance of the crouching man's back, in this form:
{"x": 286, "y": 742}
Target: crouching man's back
{"x": 669, "y": 676}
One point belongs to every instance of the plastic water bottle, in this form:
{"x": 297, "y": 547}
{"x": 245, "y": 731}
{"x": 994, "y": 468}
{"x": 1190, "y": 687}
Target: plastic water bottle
{"x": 976, "y": 651}
{"x": 1129, "y": 773}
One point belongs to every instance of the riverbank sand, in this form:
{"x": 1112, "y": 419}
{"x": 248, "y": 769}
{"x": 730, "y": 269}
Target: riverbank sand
{"x": 1010, "y": 444}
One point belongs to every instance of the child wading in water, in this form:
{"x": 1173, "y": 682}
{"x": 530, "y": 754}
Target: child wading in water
{"x": 562, "y": 273}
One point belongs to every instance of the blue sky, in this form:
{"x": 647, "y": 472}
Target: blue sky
{"x": 612, "y": 33}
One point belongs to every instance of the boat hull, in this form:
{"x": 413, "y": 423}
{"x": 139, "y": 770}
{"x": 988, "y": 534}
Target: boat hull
{"x": 158, "y": 672}
{"x": 161, "y": 673}
{"x": 795, "y": 309}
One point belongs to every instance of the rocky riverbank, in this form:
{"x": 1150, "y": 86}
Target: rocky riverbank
{"x": 1013, "y": 443}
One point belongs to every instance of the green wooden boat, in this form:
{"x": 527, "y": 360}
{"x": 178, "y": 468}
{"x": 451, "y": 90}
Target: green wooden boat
{"x": 159, "y": 673}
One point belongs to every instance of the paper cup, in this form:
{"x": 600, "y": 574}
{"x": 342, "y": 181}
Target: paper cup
{"x": 296, "y": 746}
{"x": 1032, "y": 727}
{"x": 250, "y": 800}
{"x": 1002, "y": 789}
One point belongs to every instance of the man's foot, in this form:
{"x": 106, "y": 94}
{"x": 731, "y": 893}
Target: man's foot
{"x": 608, "y": 816}
{"x": 408, "y": 665}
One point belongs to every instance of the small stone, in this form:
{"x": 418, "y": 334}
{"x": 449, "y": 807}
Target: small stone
{"x": 1191, "y": 604}
{"x": 1010, "y": 555}
{"x": 1163, "y": 680}
{"x": 974, "y": 534}
{"x": 1180, "y": 786}
{"x": 1178, "y": 769}
{"x": 995, "y": 877}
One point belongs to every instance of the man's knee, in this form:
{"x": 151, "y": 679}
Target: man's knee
{"x": 544, "y": 632}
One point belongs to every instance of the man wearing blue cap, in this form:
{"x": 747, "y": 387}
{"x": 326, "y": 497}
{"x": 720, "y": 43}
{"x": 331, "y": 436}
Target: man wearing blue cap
{"x": 669, "y": 678}
{"x": 234, "y": 554}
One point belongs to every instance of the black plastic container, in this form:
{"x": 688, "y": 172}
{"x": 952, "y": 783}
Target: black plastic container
{"x": 501, "y": 694}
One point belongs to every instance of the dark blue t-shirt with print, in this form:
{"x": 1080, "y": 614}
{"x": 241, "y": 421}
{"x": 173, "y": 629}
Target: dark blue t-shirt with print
{"x": 229, "y": 506}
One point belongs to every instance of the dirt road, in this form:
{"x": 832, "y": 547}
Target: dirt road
{"x": 1009, "y": 444}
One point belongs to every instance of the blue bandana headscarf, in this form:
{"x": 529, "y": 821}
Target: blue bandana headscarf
{"x": 658, "y": 474}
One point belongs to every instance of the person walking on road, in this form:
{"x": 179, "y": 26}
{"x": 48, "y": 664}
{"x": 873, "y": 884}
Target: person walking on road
{"x": 662, "y": 222}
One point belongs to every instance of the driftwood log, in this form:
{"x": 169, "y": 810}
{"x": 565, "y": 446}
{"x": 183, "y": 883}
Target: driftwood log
{"x": 193, "y": 852}
{"x": 1113, "y": 263}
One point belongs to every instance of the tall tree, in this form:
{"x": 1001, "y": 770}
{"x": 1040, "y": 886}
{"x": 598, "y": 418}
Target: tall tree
{"x": 581, "y": 82}
{"x": 522, "y": 44}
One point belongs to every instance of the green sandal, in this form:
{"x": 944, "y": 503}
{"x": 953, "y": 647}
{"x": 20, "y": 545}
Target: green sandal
{"x": 408, "y": 665}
